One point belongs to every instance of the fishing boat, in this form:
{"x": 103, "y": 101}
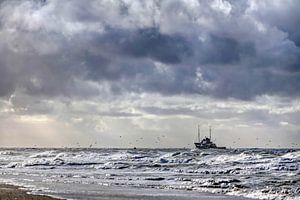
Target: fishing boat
{"x": 206, "y": 143}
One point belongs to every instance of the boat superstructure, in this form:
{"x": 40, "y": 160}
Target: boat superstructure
{"x": 206, "y": 142}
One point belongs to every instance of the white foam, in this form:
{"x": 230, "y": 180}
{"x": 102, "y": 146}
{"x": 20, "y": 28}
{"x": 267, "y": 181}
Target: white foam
{"x": 241, "y": 173}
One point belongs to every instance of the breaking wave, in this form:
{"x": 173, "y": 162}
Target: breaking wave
{"x": 255, "y": 173}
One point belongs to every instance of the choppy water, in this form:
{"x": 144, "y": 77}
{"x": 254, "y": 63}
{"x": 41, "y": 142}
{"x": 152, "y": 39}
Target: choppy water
{"x": 255, "y": 173}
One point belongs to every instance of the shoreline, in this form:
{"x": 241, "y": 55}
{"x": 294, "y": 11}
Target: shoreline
{"x": 13, "y": 192}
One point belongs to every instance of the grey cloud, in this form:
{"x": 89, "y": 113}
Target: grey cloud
{"x": 225, "y": 50}
{"x": 152, "y": 43}
{"x": 120, "y": 48}
{"x": 7, "y": 84}
{"x": 118, "y": 114}
{"x": 283, "y": 15}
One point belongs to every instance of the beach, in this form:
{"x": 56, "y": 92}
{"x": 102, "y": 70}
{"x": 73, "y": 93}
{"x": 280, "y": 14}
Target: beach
{"x": 10, "y": 192}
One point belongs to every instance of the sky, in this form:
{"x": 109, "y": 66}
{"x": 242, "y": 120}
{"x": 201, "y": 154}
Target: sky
{"x": 129, "y": 73}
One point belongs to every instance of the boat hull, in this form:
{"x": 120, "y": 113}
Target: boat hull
{"x": 200, "y": 146}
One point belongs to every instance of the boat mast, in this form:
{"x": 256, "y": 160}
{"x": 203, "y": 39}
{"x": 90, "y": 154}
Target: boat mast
{"x": 198, "y": 133}
{"x": 210, "y": 132}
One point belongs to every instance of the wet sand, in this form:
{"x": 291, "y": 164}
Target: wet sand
{"x": 119, "y": 193}
{"x": 9, "y": 192}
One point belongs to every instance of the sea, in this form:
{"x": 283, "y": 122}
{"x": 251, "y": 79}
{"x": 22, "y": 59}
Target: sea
{"x": 251, "y": 173}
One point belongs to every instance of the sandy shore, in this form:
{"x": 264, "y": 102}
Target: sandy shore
{"x": 10, "y": 192}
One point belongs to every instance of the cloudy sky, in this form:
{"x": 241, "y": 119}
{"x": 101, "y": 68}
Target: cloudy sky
{"x": 124, "y": 73}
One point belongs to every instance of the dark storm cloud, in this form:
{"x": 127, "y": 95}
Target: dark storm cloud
{"x": 124, "y": 47}
{"x": 148, "y": 42}
{"x": 224, "y": 50}
{"x": 239, "y": 49}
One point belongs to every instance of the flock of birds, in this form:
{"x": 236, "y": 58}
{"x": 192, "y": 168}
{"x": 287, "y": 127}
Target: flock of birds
{"x": 159, "y": 139}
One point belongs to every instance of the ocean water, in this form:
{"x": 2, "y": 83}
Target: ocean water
{"x": 254, "y": 173}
